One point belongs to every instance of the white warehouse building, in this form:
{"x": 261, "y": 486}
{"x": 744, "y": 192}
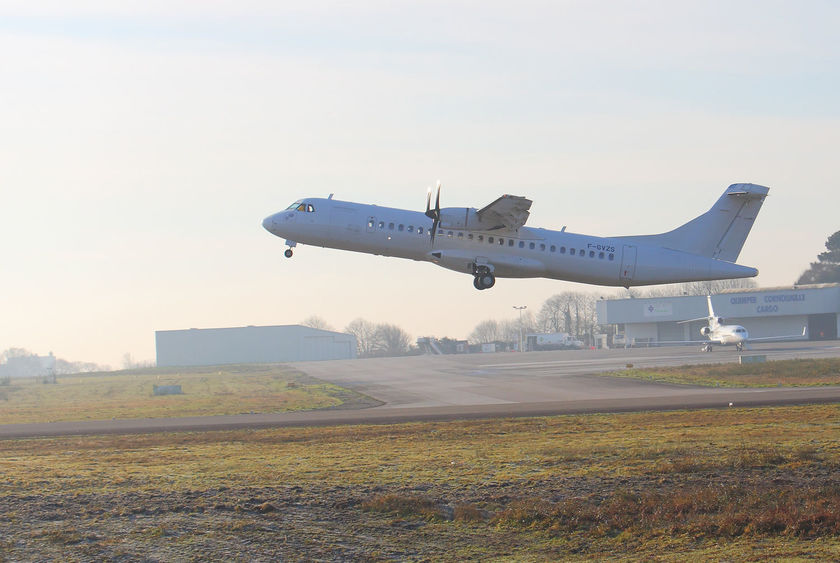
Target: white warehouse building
{"x": 250, "y": 345}
{"x": 764, "y": 312}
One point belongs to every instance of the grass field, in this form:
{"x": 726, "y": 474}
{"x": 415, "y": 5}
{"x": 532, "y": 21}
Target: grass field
{"x": 736, "y": 484}
{"x": 784, "y": 373}
{"x": 206, "y": 391}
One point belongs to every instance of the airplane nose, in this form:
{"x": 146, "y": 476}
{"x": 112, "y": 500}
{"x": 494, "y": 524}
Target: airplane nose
{"x": 268, "y": 223}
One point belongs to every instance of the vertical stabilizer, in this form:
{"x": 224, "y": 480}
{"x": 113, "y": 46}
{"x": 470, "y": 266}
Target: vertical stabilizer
{"x": 714, "y": 321}
{"x": 721, "y": 231}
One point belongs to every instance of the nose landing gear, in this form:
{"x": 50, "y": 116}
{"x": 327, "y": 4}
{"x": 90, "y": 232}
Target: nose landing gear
{"x": 289, "y": 252}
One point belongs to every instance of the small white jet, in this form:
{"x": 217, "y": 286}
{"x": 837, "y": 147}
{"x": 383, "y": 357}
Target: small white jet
{"x": 719, "y": 333}
{"x": 493, "y": 242}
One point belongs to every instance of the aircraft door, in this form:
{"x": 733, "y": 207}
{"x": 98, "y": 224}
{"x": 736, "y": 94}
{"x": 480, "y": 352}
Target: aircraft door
{"x": 628, "y": 263}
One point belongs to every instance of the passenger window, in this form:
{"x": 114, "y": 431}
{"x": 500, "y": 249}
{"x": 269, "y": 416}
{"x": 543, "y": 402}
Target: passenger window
{"x": 390, "y": 226}
{"x": 562, "y": 250}
{"x": 401, "y": 228}
{"x": 480, "y": 238}
{"x": 542, "y": 247}
{"x": 532, "y": 246}
{"x": 521, "y": 244}
{"x": 510, "y": 242}
{"x": 410, "y": 228}
{"x": 371, "y": 223}
{"x": 592, "y": 254}
{"x": 611, "y": 256}
{"x": 600, "y": 256}
{"x": 490, "y": 240}
{"x": 572, "y": 251}
{"x": 501, "y": 242}
{"x": 419, "y": 230}
{"x": 553, "y": 248}
{"x": 460, "y": 235}
{"x": 382, "y": 224}
{"x": 470, "y": 236}
{"x": 449, "y": 233}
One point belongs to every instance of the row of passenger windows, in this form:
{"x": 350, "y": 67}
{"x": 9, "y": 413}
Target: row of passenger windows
{"x": 494, "y": 240}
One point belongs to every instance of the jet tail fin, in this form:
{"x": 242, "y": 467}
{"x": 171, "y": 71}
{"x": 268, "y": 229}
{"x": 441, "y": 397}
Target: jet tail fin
{"x": 721, "y": 231}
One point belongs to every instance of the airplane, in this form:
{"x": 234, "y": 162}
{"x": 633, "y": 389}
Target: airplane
{"x": 493, "y": 242}
{"x": 719, "y": 333}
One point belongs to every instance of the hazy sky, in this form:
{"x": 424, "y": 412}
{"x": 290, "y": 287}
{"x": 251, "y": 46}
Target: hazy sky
{"x": 142, "y": 144}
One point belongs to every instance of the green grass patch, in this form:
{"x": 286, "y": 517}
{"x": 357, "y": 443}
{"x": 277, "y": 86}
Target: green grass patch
{"x": 215, "y": 390}
{"x": 782, "y": 373}
{"x": 731, "y": 484}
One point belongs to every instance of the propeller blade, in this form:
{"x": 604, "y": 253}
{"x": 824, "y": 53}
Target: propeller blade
{"x": 429, "y": 213}
{"x": 437, "y": 200}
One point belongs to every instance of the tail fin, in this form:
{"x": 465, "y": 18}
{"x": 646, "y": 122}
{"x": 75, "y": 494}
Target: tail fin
{"x": 714, "y": 320}
{"x": 721, "y": 231}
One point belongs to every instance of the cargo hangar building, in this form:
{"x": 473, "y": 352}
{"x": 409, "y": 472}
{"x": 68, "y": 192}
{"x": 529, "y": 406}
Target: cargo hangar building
{"x": 764, "y": 312}
{"x": 251, "y": 345}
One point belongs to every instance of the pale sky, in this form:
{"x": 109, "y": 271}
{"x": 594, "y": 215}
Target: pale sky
{"x": 142, "y": 144}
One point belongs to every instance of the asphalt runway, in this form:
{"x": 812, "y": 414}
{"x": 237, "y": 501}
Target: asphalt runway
{"x": 491, "y": 385}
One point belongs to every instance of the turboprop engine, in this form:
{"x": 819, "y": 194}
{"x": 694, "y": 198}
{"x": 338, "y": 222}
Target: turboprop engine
{"x": 705, "y": 331}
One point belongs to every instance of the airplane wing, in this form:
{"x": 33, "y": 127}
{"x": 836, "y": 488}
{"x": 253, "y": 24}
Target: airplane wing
{"x": 771, "y": 338}
{"x": 509, "y": 211}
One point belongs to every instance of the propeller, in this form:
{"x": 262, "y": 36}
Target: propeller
{"x": 433, "y": 214}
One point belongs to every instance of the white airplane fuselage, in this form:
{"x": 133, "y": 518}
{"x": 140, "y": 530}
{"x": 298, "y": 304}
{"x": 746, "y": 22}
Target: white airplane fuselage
{"x": 524, "y": 253}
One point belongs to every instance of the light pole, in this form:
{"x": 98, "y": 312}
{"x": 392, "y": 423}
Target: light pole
{"x": 520, "y": 324}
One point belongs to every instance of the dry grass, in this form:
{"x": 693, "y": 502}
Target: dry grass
{"x": 206, "y": 391}
{"x": 736, "y": 484}
{"x": 784, "y": 373}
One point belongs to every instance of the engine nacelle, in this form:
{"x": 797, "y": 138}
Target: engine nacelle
{"x": 461, "y": 218}
{"x": 705, "y": 331}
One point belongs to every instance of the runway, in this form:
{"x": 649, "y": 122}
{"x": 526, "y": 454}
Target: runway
{"x": 423, "y": 388}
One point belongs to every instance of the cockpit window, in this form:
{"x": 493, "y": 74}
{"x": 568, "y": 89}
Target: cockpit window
{"x": 301, "y": 206}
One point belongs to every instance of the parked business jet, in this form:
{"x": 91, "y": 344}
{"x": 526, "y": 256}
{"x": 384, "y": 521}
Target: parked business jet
{"x": 493, "y": 242}
{"x": 719, "y": 333}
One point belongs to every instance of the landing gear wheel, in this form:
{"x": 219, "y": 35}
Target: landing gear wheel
{"x": 484, "y": 281}
{"x": 288, "y": 253}
{"x": 707, "y": 348}
{"x": 739, "y": 347}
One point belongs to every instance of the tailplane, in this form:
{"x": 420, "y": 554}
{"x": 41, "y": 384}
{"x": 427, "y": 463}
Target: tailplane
{"x": 721, "y": 231}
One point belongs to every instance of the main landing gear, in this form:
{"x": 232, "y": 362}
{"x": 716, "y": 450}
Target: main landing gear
{"x": 706, "y": 348}
{"x": 484, "y": 278}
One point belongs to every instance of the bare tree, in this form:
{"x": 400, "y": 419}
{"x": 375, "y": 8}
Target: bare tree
{"x": 368, "y": 338}
{"x": 485, "y": 332}
{"x": 570, "y": 312}
{"x": 314, "y": 321}
{"x": 393, "y": 340}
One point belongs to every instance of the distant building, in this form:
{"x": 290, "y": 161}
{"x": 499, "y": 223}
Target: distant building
{"x": 250, "y": 345}
{"x": 28, "y": 366}
{"x": 764, "y": 312}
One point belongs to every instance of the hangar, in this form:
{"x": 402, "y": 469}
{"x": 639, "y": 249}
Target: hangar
{"x": 251, "y": 344}
{"x": 764, "y": 312}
